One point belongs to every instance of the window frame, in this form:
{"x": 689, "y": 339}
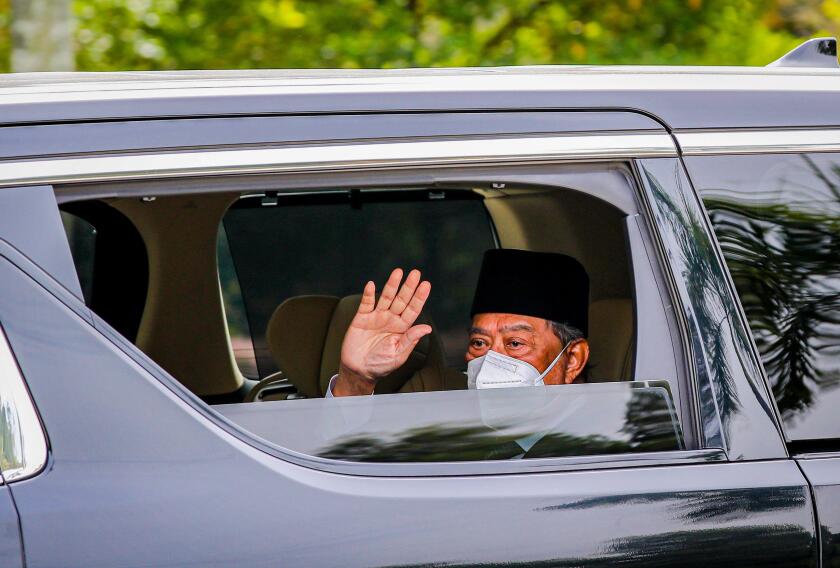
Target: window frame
{"x": 608, "y": 149}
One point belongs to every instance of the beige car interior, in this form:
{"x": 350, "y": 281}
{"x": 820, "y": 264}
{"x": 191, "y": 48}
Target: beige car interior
{"x": 590, "y": 230}
{"x": 184, "y": 328}
{"x": 304, "y": 336}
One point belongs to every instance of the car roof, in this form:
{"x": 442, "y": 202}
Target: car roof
{"x": 679, "y": 97}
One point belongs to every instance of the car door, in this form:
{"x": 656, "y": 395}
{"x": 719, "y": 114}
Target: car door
{"x": 768, "y": 207}
{"x": 11, "y": 551}
{"x": 143, "y": 473}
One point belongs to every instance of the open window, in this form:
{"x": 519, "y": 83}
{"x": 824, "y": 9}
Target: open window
{"x": 247, "y": 295}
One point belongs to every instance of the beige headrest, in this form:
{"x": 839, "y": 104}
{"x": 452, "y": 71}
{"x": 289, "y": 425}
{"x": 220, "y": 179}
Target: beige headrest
{"x": 610, "y": 339}
{"x": 295, "y": 335}
{"x": 304, "y": 336}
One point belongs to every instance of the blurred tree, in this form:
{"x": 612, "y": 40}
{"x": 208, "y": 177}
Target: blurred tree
{"x": 42, "y": 35}
{"x": 200, "y": 34}
{"x": 5, "y": 37}
{"x": 193, "y": 34}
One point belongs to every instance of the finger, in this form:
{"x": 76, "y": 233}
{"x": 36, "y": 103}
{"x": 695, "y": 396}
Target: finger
{"x": 368, "y": 299}
{"x": 406, "y": 292}
{"x": 415, "y": 305}
{"x": 412, "y": 337}
{"x": 390, "y": 290}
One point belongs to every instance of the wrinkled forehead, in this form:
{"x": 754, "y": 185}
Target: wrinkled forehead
{"x": 492, "y": 324}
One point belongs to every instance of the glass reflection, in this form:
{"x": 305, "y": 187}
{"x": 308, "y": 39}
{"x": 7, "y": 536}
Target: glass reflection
{"x": 777, "y": 219}
{"x": 11, "y": 438}
{"x": 715, "y": 338}
{"x": 23, "y": 447}
{"x": 495, "y": 424}
{"x": 702, "y": 506}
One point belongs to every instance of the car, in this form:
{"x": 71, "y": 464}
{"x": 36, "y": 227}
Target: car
{"x": 182, "y": 252}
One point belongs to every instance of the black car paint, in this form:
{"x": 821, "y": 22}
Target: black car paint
{"x": 160, "y": 477}
{"x": 167, "y": 477}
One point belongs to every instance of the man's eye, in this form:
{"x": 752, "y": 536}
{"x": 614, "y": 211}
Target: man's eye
{"x": 477, "y": 343}
{"x": 514, "y": 343}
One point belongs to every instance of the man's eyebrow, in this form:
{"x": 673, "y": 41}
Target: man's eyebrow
{"x": 478, "y": 331}
{"x": 517, "y": 327}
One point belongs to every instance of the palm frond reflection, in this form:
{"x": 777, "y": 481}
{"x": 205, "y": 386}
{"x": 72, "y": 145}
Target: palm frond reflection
{"x": 649, "y": 424}
{"x": 785, "y": 261}
{"x": 714, "y": 337}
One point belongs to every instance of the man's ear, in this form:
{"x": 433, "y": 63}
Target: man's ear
{"x": 578, "y": 355}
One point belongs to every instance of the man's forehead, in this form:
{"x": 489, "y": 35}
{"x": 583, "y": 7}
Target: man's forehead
{"x": 502, "y": 323}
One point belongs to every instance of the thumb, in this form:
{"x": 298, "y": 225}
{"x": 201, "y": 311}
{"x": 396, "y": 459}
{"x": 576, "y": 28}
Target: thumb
{"x": 413, "y": 336}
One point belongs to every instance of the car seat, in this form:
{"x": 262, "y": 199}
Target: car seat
{"x": 610, "y": 339}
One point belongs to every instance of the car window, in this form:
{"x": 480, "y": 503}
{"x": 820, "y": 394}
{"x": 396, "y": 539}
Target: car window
{"x": 283, "y": 247}
{"x": 111, "y": 262}
{"x": 81, "y": 236}
{"x": 239, "y": 329}
{"x": 777, "y": 219}
{"x": 264, "y": 285}
{"x": 468, "y": 425}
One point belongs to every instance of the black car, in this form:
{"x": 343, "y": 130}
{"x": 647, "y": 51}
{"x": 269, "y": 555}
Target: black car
{"x": 181, "y": 254}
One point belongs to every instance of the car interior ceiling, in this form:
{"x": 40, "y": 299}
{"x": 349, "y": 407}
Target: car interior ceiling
{"x": 155, "y": 279}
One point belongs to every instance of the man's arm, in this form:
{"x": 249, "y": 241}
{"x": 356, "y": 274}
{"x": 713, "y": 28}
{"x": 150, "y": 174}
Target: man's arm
{"x": 382, "y": 334}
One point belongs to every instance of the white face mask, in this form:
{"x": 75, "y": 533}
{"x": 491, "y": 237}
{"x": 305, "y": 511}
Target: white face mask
{"x": 496, "y": 370}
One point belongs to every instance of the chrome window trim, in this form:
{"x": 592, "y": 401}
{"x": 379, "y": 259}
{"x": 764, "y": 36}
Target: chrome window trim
{"x": 708, "y": 142}
{"x": 501, "y": 467}
{"x": 338, "y": 157}
{"x": 26, "y": 455}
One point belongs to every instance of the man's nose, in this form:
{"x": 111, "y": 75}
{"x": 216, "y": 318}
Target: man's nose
{"x": 498, "y": 345}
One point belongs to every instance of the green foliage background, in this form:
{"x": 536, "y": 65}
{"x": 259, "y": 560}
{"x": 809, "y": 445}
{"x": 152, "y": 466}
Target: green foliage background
{"x": 202, "y": 34}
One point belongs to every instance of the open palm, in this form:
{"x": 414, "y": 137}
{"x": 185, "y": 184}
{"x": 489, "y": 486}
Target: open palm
{"x": 382, "y": 334}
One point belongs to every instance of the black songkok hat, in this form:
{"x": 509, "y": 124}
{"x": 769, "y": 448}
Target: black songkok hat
{"x": 539, "y": 284}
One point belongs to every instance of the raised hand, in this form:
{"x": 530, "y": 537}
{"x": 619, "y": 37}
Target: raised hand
{"x": 382, "y": 335}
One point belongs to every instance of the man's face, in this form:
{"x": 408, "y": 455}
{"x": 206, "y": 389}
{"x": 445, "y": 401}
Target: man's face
{"x": 529, "y": 339}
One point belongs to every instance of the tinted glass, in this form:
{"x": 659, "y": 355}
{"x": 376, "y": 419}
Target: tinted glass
{"x": 237, "y": 320}
{"x": 777, "y": 219}
{"x": 81, "y": 236}
{"x": 332, "y": 245}
{"x": 490, "y": 424}
{"x": 111, "y": 262}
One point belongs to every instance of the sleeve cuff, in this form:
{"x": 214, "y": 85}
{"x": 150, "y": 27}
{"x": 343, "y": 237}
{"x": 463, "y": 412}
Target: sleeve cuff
{"x": 331, "y": 384}
{"x": 329, "y": 393}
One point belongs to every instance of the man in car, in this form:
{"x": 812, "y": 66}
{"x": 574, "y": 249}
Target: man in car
{"x": 528, "y": 328}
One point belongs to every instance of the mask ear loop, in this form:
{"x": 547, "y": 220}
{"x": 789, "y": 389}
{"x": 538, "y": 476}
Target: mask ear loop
{"x": 556, "y": 359}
